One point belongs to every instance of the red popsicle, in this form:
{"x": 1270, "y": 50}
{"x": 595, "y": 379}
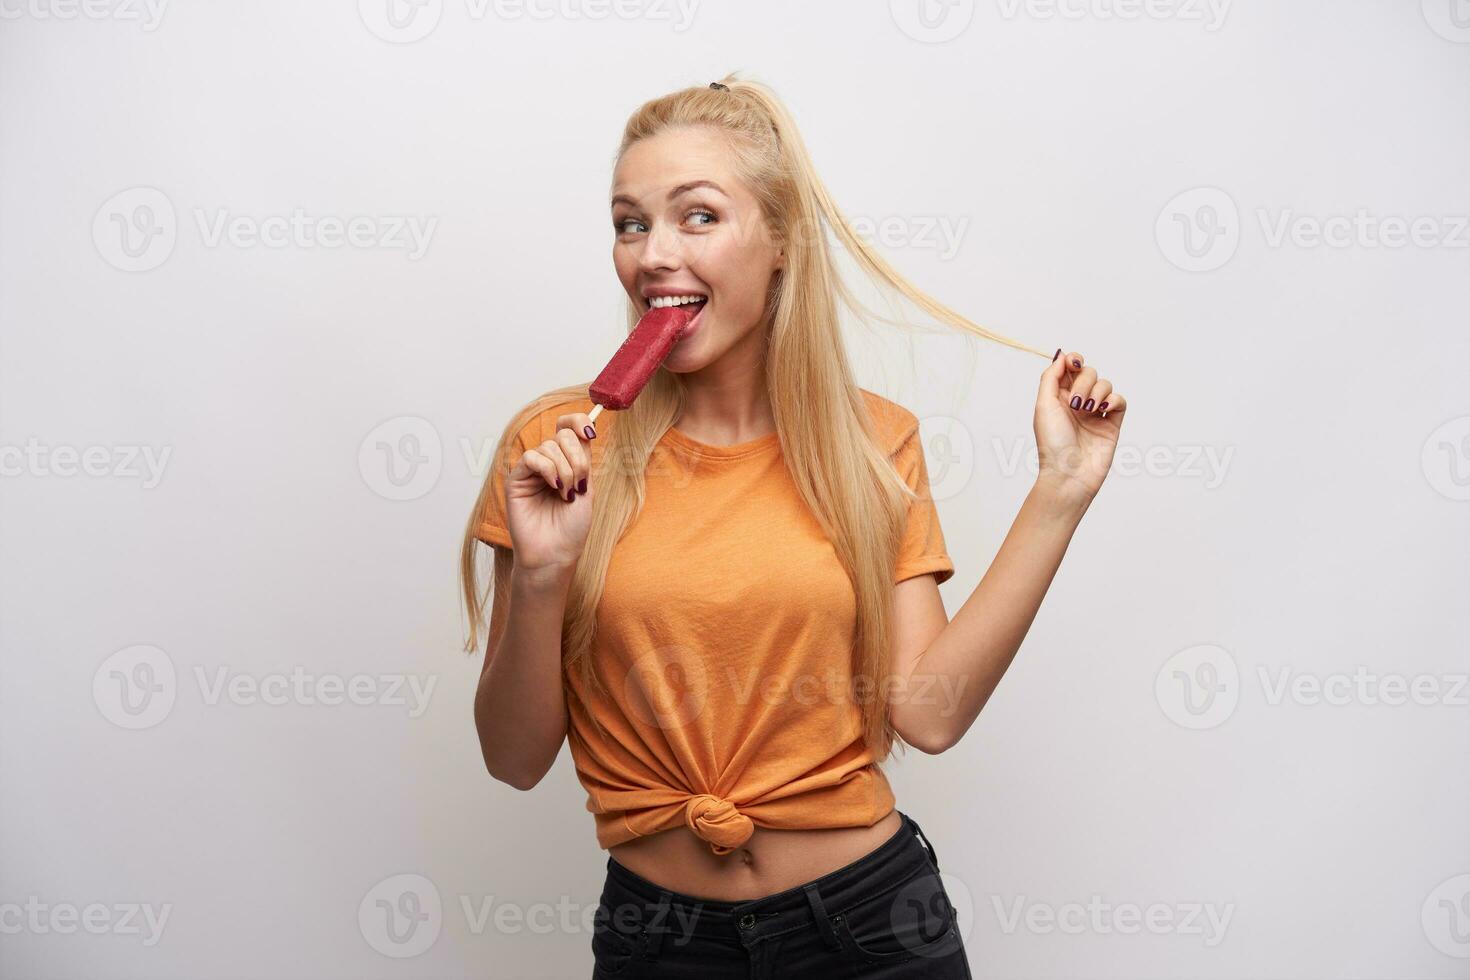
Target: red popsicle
{"x": 639, "y": 356}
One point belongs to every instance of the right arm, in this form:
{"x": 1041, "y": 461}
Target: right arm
{"x": 520, "y": 704}
{"x": 520, "y": 709}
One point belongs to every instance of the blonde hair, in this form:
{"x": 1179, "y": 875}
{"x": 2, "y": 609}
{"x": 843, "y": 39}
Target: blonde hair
{"x": 827, "y": 439}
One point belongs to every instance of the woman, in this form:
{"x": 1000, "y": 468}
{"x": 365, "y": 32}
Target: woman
{"x": 727, "y": 600}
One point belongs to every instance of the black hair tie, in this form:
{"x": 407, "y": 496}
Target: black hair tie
{"x": 722, "y": 88}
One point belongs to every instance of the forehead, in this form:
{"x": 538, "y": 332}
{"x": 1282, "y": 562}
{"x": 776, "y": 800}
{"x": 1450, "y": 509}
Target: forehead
{"x": 652, "y": 167}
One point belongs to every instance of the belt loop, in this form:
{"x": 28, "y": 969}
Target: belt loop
{"x": 933, "y": 857}
{"x": 658, "y": 925}
{"x": 819, "y": 912}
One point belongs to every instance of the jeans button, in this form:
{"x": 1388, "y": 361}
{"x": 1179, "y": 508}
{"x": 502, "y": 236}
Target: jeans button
{"x": 747, "y": 920}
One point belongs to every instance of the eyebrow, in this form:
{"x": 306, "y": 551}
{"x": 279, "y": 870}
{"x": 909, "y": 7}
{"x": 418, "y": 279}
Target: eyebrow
{"x": 681, "y": 189}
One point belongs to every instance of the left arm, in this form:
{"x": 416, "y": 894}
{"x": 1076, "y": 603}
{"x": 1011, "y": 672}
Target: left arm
{"x": 947, "y": 670}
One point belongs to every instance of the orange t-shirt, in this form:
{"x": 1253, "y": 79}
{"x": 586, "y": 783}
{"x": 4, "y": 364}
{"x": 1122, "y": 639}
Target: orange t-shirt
{"x": 725, "y": 636}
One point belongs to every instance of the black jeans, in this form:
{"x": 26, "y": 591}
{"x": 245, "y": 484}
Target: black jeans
{"x": 885, "y": 915}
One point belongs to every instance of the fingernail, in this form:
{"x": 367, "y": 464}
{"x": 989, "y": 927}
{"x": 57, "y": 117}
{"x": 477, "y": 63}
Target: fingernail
{"x": 1076, "y": 401}
{"x": 558, "y": 483}
{"x": 1076, "y": 363}
{"x": 1056, "y": 355}
{"x": 591, "y": 433}
{"x": 571, "y": 495}
{"x": 1103, "y": 407}
{"x": 1087, "y": 405}
{"x": 582, "y": 485}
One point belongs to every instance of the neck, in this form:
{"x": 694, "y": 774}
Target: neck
{"x": 726, "y": 401}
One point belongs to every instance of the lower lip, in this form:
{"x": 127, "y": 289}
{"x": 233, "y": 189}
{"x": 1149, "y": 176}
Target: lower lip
{"x": 693, "y": 325}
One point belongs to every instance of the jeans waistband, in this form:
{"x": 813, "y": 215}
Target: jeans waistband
{"x": 664, "y": 910}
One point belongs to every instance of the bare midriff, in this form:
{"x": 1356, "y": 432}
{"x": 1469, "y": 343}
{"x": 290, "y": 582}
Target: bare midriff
{"x": 770, "y": 861}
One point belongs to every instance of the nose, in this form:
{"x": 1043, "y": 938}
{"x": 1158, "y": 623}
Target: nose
{"x": 661, "y": 249}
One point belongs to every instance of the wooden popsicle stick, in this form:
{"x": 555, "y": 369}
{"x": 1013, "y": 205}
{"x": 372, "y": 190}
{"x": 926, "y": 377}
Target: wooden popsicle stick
{"x": 596, "y": 410}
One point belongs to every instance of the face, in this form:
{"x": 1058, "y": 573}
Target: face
{"x": 685, "y": 225}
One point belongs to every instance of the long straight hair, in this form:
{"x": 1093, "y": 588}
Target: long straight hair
{"x": 827, "y": 438}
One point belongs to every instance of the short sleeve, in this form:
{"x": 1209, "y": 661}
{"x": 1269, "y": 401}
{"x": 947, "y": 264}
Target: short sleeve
{"x": 493, "y": 527}
{"x": 922, "y": 547}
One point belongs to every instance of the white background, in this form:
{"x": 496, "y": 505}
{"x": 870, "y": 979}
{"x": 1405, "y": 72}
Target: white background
{"x": 1289, "y": 503}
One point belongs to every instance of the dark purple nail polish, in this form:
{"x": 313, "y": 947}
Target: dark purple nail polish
{"x": 582, "y": 485}
{"x": 571, "y": 495}
{"x": 1087, "y": 405}
{"x": 1103, "y": 407}
{"x": 591, "y": 433}
{"x": 1076, "y": 401}
{"x": 558, "y": 483}
{"x": 1076, "y": 363}
{"x": 1056, "y": 355}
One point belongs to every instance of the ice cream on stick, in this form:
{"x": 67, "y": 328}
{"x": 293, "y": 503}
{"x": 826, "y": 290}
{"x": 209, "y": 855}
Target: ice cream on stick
{"x": 639, "y": 356}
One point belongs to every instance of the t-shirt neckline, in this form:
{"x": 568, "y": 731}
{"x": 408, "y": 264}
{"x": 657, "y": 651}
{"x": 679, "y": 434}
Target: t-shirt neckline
{"x": 677, "y": 438}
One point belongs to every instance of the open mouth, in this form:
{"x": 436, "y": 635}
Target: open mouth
{"x": 694, "y": 301}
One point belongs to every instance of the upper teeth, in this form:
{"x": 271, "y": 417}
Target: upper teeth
{"x": 658, "y": 301}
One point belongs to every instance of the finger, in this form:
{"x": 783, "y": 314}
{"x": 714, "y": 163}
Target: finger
{"x": 1051, "y": 378}
{"x": 1116, "y": 403}
{"x": 552, "y": 450}
{"x": 579, "y": 422}
{"x": 1097, "y": 395}
{"x": 1081, "y": 384}
{"x": 542, "y": 465}
{"x": 576, "y": 454}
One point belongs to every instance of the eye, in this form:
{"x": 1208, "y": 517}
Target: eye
{"x": 622, "y": 226}
{"x": 706, "y": 213}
